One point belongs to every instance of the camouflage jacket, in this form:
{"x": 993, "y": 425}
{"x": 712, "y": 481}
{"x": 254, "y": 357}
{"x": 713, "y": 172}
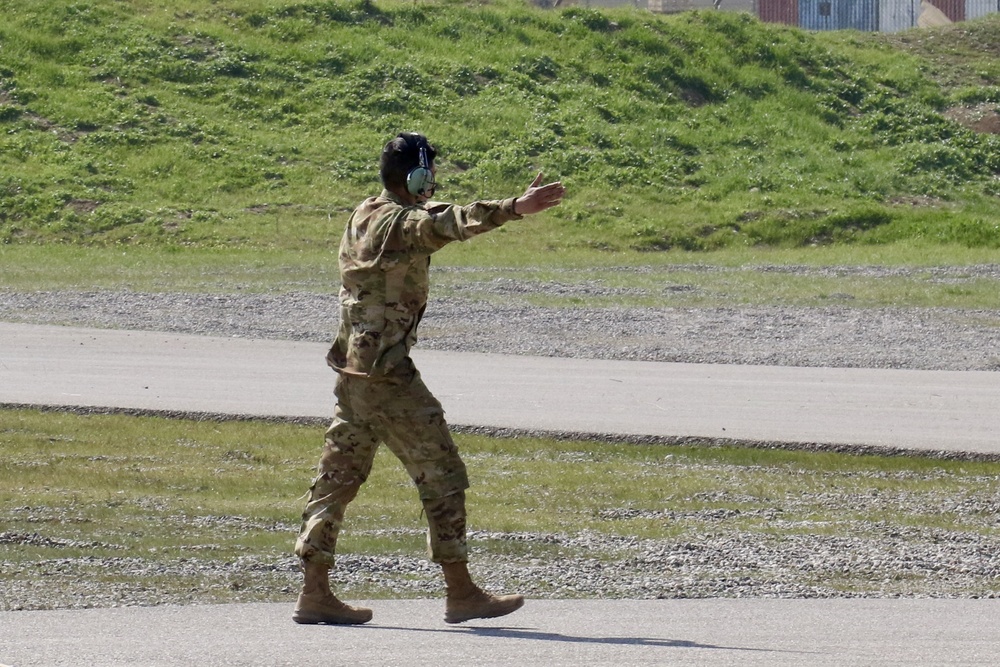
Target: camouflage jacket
{"x": 384, "y": 271}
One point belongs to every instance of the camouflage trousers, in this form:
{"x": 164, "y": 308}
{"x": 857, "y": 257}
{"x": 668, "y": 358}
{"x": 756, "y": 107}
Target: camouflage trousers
{"x": 400, "y": 412}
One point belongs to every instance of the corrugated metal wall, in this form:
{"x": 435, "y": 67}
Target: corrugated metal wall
{"x": 838, "y": 15}
{"x": 672, "y": 6}
{"x": 896, "y": 15}
{"x": 778, "y": 11}
{"x": 976, "y": 8}
{"x": 641, "y": 4}
{"x": 953, "y": 9}
{"x": 867, "y": 15}
{"x": 870, "y": 15}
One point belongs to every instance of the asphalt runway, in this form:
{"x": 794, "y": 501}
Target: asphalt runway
{"x": 918, "y": 410}
{"x": 545, "y": 633}
{"x": 913, "y": 410}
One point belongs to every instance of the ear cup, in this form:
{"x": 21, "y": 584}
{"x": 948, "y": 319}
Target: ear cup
{"x": 420, "y": 178}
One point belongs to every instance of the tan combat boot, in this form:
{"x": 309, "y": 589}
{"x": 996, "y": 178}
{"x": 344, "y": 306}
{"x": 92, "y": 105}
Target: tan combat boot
{"x": 467, "y": 601}
{"x": 318, "y": 604}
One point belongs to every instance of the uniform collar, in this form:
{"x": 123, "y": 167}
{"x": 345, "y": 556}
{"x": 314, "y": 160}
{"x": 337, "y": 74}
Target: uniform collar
{"x": 396, "y": 199}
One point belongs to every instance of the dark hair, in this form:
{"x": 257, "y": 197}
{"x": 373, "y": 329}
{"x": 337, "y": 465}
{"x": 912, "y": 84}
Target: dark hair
{"x": 402, "y": 155}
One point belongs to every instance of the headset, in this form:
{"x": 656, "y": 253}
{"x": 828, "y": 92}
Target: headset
{"x": 420, "y": 181}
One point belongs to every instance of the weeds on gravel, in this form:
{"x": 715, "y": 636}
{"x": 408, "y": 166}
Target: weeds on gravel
{"x": 171, "y": 510}
{"x": 844, "y": 276}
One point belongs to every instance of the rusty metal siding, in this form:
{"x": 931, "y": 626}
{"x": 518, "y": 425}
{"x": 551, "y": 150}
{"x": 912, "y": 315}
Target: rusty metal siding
{"x": 779, "y": 11}
{"x": 838, "y": 15}
{"x": 953, "y": 9}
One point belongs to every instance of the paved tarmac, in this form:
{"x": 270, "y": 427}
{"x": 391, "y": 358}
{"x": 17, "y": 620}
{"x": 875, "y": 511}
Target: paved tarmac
{"x": 546, "y": 633}
{"x": 920, "y": 410}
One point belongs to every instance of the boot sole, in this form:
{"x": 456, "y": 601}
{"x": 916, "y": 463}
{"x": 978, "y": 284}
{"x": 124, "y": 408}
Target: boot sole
{"x": 310, "y": 619}
{"x": 462, "y": 618}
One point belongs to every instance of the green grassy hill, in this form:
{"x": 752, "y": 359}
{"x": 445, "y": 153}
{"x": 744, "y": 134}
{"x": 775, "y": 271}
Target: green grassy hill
{"x": 259, "y": 122}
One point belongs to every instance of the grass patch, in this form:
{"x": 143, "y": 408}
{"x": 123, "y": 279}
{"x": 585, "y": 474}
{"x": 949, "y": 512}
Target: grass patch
{"x": 133, "y": 496}
{"x": 257, "y": 123}
{"x": 828, "y": 277}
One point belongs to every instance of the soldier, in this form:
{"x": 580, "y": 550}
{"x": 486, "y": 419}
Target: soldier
{"x": 384, "y": 269}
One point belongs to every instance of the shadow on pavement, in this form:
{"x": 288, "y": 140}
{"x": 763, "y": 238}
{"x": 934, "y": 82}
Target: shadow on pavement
{"x": 537, "y": 635}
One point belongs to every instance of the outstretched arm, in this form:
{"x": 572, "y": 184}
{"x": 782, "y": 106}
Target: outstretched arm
{"x": 539, "y": 197}
{"x": 429, "y": 228}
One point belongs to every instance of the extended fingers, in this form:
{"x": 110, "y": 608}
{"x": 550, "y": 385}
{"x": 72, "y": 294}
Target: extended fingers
{"x": 540, "y": 197}
{"x": 552, "y": 191}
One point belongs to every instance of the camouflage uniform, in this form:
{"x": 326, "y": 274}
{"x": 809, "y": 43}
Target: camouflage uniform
{"x": 384, "y": 267}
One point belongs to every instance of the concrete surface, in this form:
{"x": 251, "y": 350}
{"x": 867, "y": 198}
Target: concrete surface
{"x": 926, "y": 410}
{"x": 557, "y": 633}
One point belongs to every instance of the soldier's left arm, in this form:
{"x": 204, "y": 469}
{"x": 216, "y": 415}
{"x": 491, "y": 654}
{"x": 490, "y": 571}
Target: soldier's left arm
{"x": 436, "y": 225}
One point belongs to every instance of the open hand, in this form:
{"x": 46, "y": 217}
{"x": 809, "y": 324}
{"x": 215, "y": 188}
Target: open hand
{"x": 539, "y": 197}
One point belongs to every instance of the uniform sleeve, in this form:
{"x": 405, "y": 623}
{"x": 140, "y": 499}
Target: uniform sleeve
{"x": 427, "y": 230}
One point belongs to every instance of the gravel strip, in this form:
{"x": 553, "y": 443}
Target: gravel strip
{"x": 875, "y": 561}
{"x": 833, "y": 336}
